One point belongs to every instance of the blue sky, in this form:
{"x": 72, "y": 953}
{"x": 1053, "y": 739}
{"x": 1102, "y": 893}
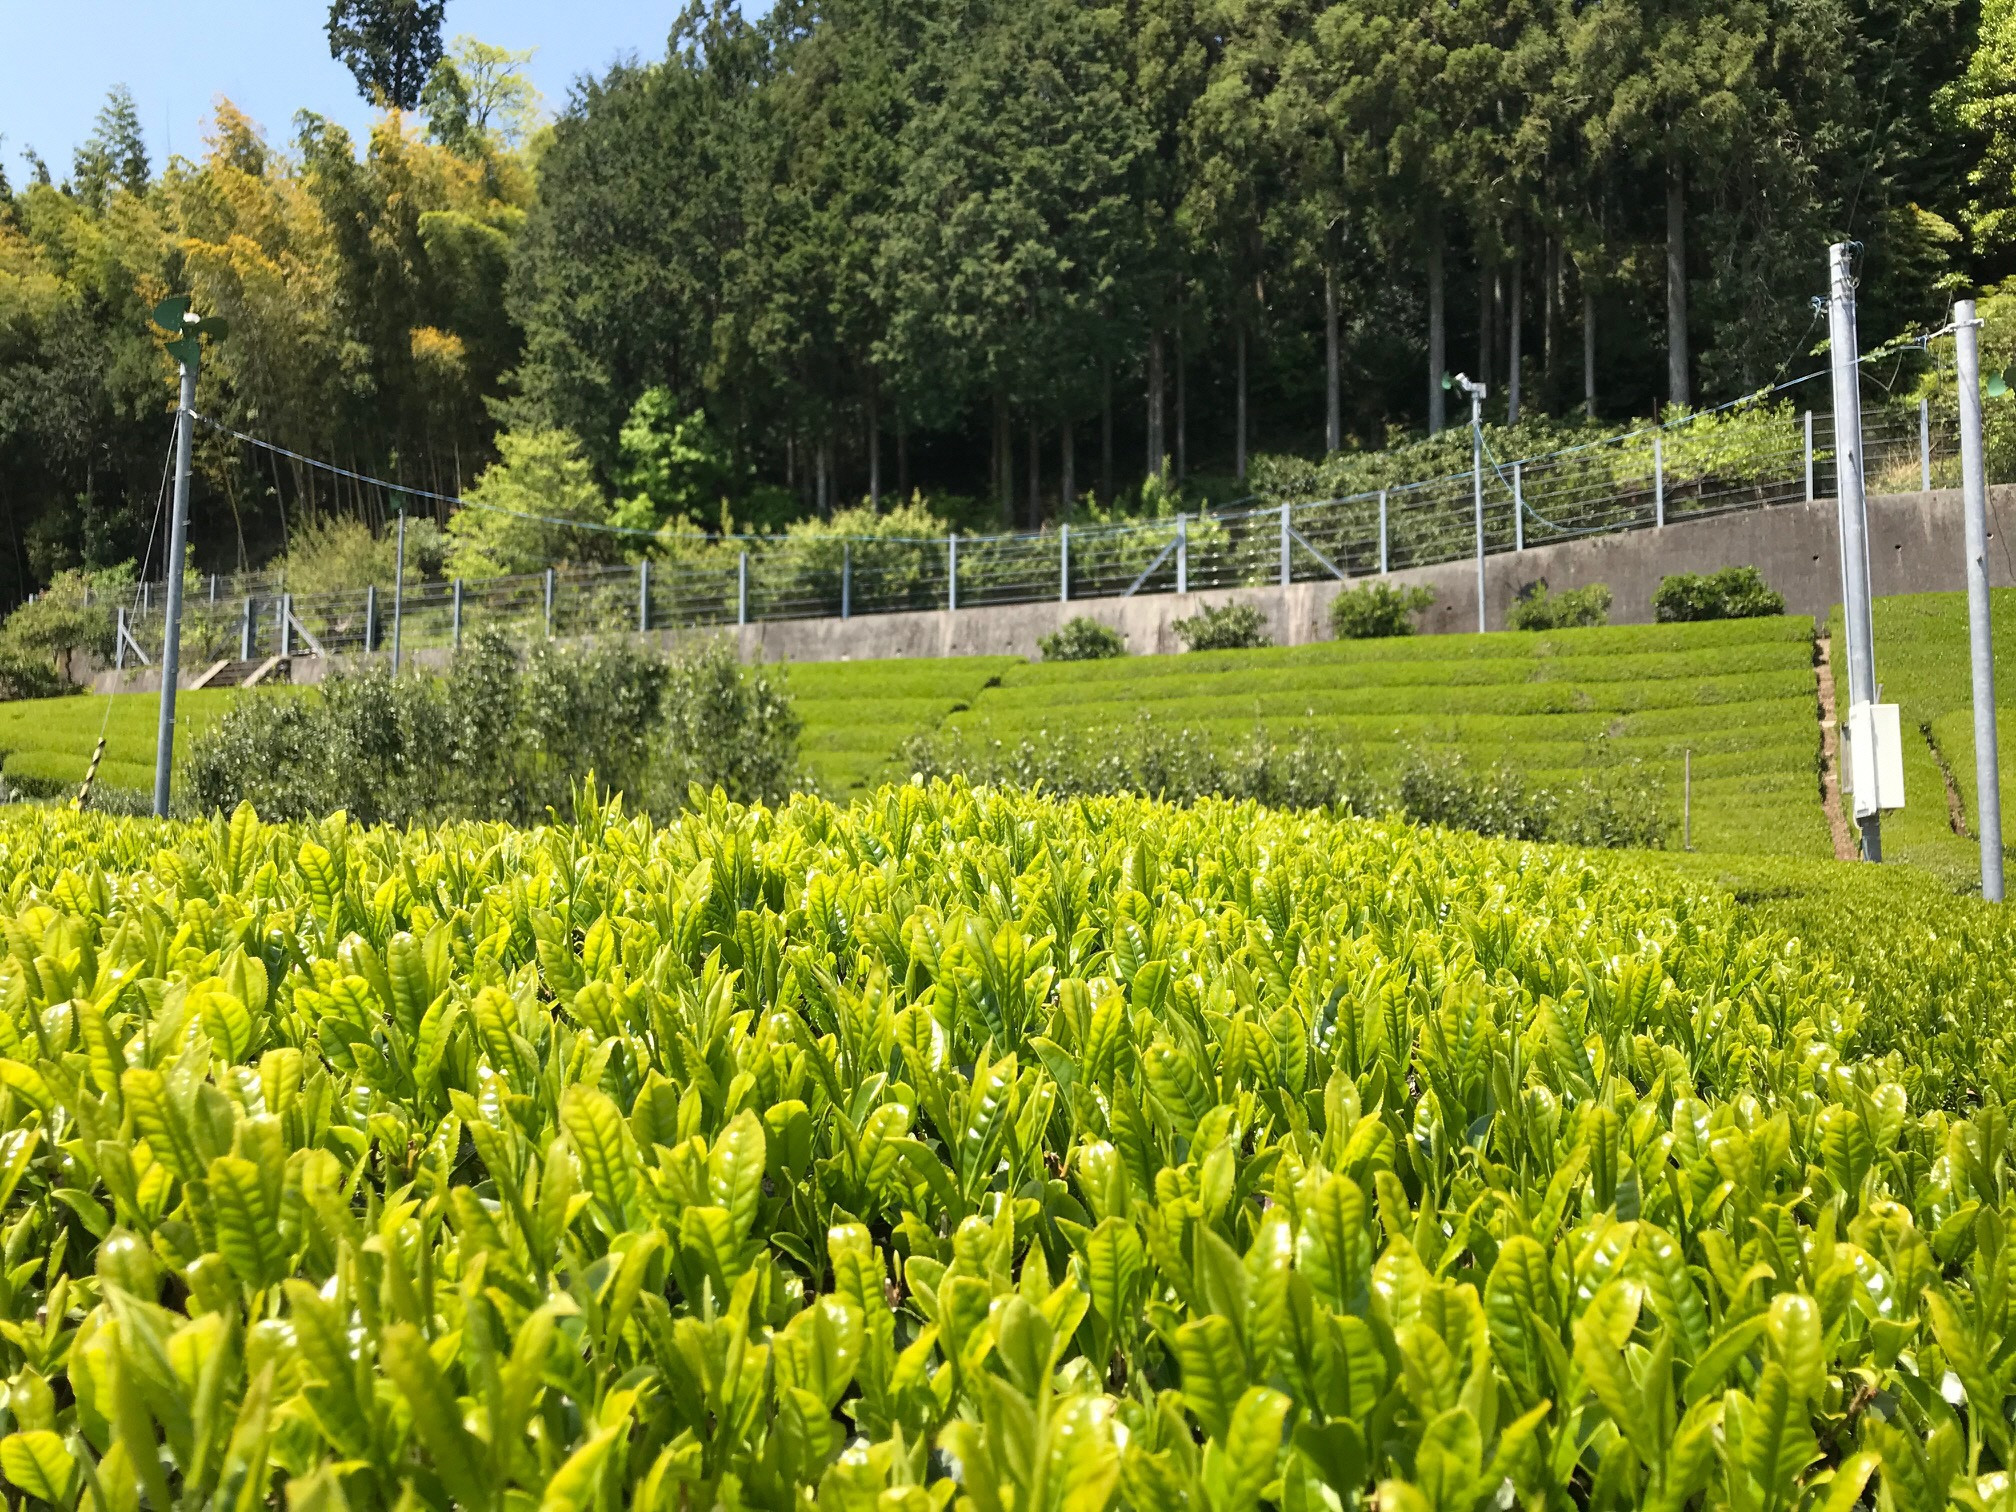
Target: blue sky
{"x": 270, "y": 57}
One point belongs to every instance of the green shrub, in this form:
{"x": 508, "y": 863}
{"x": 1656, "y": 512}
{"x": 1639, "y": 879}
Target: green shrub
{"x": 1577, "y": 609}
{"x": 1230, "y": 627}
{"x": 73, "y": 618}
{"x": 1732, "y": 593}
{"x": 1374, "y": 611}
{"x": 1082, "y": 639}
{"x": 503, "y": 738}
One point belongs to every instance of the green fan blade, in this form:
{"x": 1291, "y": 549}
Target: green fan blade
{"x": 1998, "y": 385}
{"x": 170, "y": 312}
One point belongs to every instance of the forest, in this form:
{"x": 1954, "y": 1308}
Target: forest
{"x": 1007, "y": 261}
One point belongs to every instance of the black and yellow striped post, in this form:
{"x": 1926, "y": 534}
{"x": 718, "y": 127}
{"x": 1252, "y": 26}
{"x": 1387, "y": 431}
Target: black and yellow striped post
{"x": 90, "y": 776}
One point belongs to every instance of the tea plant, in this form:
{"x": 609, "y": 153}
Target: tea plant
{"x": 962, "y": 1148}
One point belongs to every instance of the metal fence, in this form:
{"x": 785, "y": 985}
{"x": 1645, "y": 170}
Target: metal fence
{"x": 1638, "y": 481}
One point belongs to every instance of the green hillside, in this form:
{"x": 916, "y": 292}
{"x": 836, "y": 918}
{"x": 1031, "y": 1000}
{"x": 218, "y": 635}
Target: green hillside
{"x": 857, "y": 713}
{"x": 1739, "y": 695}
{"x": 1922, "y": 666}
{"x": 46, "y": 743}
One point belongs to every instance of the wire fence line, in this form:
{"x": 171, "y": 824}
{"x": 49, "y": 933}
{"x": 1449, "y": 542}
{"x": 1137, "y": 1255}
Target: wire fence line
{"x": 1641, "y": 480}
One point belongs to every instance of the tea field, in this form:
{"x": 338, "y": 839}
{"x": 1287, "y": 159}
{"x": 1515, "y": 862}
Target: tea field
{"x": 978, "y": 1149}
{"x": 1922, "y": 663}
{"x": 46, "y": 743}
{"x": 1739, "y": 694}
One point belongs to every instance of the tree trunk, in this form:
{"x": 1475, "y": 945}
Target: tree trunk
{"x": 1514, "y": 344}
{"x": 1438, "y": 337}
{"x": 1067, "y": 486}
{"x": 1004, "y": 451}
{"x": 825, "y": 481}
{"x": 874, "y": 452}
{"x": 1487, "y": 317}
{"x": 902, "y": 459}
{"x": 1157, "y": 454}
{"x": 1551, "y": 272}
{"x": 1182, "y": 412}
{"x": 1106, "y": 435}
{"x": 1239, "y": 407}
{"x": 1333, "y": 398}
{"x": 1588, "y": 346}
{"x": 1676, "y": 286}
{"x": 1035, "y": 477}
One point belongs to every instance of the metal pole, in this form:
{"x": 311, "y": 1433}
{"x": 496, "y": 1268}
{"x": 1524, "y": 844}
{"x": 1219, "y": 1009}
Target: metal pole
{"x": 455, "y": 616}
{"x": 286, "y": 624}
{"x": 1064, "y": 564}
{"x": 1477, "y": 487}
{"x": 370, "y": 619}
{"x": 213, "y": 590}
{"x": 644, "y": 596}
{"x": 1974, "y": 500}
{"x": 549, "y": 602}
{"x": 246, "y": 632}
{"x": 952, "y": 571}
{"x": 1287, "y": 571}
{"x": 1850, "y": 506}
{"x": 1659, "y": 482}
{"x": 1809, "y": 456}
{"x": 1182, "y": 553}
{"x": 399, "y": 585}
{"x": 1382, "y": 532}
{"x": 119, "y": 649}
{"x": 1925, "y": 445}
{"x": 178, "y": 556}
{"x": 742, "y": 589}
{"x": 1518, "y": 508}
{"x": 846, "y": 579}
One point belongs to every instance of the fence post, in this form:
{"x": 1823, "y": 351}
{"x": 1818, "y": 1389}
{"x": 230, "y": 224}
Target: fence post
{"x": 146, "y": 596}
{"x": 1182, "y": 553}
{"x": 286, "y": 624}
{"x": 1518, "y": 507}
{"x": 246, "y": 632}
{"x": 455, "y": 616}
{"x": 952, "y": 570}
{"x": 644, "y": 596}
{"x": 370, "y": 618}
{"x": 1925, "y": 444}
{"x": 1287, "y": 567}
{"x": 549, "y": 602}
{"x": 213, "y": 590}
{"x": 1382, "y": 532}
{"x": 1064, "y": 563}
{"x": 846, "y": 580}
{"x": 399, "y": 587}
{"x": 1809, "y": 456}
{"x": 742, "y": 589}
{"x": 119, "y": 650}
{"x": 1659, "y": 482}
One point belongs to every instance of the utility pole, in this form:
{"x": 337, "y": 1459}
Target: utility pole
{"x": 1974, "y": 500}
{"x": 1476, "y": 391}
{"x": 175, "y": 317}
{"x": 1852, "y": 514}
{"x": 399, "y": 585}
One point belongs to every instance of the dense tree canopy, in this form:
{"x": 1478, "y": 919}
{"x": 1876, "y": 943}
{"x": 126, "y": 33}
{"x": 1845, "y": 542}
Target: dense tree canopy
{"x": 1013, "y": 250}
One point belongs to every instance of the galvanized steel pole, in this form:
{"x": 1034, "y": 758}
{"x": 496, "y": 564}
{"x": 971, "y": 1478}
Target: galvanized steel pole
{"x": 178, "y": 553}
{"x": 1974, "y": 499}
{"x": 1850, "y": 506}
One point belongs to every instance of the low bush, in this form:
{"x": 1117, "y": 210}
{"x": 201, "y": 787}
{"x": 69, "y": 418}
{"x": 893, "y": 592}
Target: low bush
{"x": 1230, "y": 627}
{"x": 1082, "y": 639}
{"x": 1732, "y": 593}
{"x": 1375, "y": 611}
{"x": 1308, "y": 767}
{"x": 501, "y": 738}
{"x": 1582, "y": 608}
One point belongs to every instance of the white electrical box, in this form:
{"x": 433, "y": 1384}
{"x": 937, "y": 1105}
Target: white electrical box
{"x": 1874, "y": 759}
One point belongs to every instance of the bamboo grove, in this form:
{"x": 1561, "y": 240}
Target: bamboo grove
{"x": 968, "y": 1149}
{"x": 1004, "y": 253}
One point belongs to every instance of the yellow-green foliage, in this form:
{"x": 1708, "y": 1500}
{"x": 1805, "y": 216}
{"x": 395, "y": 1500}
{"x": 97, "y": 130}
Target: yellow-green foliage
{"x": 1045, "y": 1156}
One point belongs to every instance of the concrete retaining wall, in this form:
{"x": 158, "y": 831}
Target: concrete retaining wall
{"x": 1915, "y": 546}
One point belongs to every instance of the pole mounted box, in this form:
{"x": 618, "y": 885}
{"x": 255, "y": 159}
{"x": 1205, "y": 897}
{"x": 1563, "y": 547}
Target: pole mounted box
{"x": 1875, "y": 763}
